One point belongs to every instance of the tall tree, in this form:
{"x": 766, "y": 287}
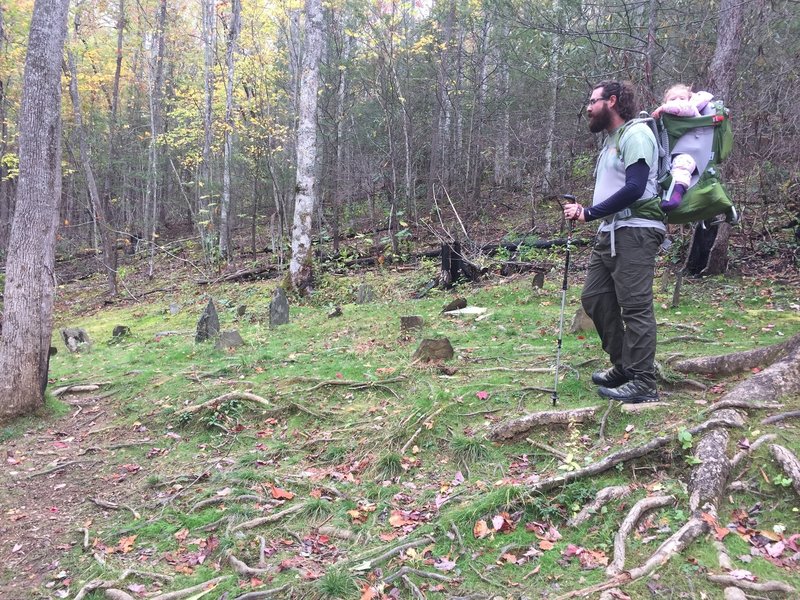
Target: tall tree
{"x": 300, "y": 272}
{"x": 205, "y": 183}
{"x": 225, "y": 206}
{"x": 30, "y": 281}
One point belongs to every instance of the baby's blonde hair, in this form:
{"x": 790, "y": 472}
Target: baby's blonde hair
{"x": 678, "y": 87}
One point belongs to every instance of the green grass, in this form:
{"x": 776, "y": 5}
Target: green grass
{"x": 353, "y": 448}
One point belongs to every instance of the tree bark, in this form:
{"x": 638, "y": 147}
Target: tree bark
{"x": 107, "y": 237}
{"x": 205, "y": 224}
{"x": 225, "y": 206}
{"x": 737, "y": 362}
{"x": 30, "y": 283}
{"x": 300, "y": 271}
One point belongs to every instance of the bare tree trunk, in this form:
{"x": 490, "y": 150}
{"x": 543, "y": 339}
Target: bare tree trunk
{"x": 501, "y": 154}
{"x": 225, "y": 207}
{"x": 99, "y": 217}
{"x": 650, "y": 46}
{"x": 5, "y": 186}
{"x": 555, "y": 79}
{"x": 156, "y": 74}
{"x": 341, "y": 97}
{"x": 205, "y": 225}
{"x": 30, "y": 279}
{"x": 300, "y": 272}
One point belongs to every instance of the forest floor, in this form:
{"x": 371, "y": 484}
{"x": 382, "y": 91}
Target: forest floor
{"x": 324, "y": 460}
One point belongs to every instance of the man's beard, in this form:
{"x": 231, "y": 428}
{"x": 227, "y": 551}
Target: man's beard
{"x": 600, "y": 120}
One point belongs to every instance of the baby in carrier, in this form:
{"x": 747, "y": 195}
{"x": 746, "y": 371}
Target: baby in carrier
{"x": 681, "y": 102}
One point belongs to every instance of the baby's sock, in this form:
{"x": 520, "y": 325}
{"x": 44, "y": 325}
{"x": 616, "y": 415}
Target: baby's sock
{"x": 675, "y": 198}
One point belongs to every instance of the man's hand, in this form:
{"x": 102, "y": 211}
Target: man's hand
{"x": 574, "y": 212}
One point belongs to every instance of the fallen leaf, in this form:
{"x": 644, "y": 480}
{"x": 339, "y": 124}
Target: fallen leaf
{"x": 444, "y": 564}
{"x": 481, "y": 529}
{"x": 281, "y": 494}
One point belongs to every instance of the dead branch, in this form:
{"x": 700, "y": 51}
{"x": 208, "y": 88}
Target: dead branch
{"x": 60, "y": 467}
{"x": 191, "y": 590}
{"x": 219, "y": 499}
{"x": 627, "y": 454}
{"x": 547, "y": 448}
{"x": 85, "y": 532}
{"x": 602, "y": 433}
{"x": 752, "y": 586}
{"x": 243, "y": 569}
{"x": 268, "y": 519}
{"x": 636, "y": 513}
{"x": 789, "y": 463}
{"x": 224, "y": 398}
{"x": 603, "y": 497}
{"x": 413, "y": 437}
{"x": 778, "y": 418}
{"x": 515, "y": 427}
{"x": 353, "y": 385}
{"x": 114, "y": 506}
{"x": 423, "y": 574}
{"x": 728, "y": 364}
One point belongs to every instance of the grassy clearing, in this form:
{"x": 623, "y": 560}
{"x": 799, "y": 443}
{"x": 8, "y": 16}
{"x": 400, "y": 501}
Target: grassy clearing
{"x": 386, "y": 450}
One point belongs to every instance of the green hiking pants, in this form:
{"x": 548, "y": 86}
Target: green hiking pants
{"x": 618, "y": 297}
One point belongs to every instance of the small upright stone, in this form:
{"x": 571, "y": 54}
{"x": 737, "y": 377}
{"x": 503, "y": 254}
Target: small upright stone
{"x": 240, "y": 310}
{"x": 174, "y": 308}
{"x": 434, "y": 349}
{"x": 581, "y": 322}
{"x": 278, "y": 308}
{"x": 119, "y": 332}
{"x": 411, "y": 323}
{"x": 208, "y": 325}
{"x": 75, "y": 338}
{"x": 365, "y": 294}
{"x": 456, "y": 304}
{"x": 229, "y": 340}
{"x": 538, "y": 280}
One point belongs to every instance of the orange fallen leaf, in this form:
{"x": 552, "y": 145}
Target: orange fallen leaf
{"x": 281, "y": 494}
{"x": 546, "y": 545}
{"x": 481, "y": 529}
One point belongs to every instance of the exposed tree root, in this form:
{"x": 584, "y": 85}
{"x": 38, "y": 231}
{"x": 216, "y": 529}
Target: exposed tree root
{"x": 710, "y": 476}
{"x": 69, "y": 463}
{"x": 782, "y": 417}
{"x": 79, "y": 388}
{"x": 112, "y": 594}
{"x": 220, "y": 499}
{"x": 511, "y": 429}
{"x": 262, "y": 594}
{"x": 339, "y": 533}
{"x": 789, "y": 463}
{"x": 743, "y": 404}
{"x": 675, "y": 544}
{"x": 603, "y": 497}
{"x": 547, "y": 448}
{"x": 244, "y": 569}
{"x": 103, "y": 584}
{"x": 189, "y": 410}
{"x": 268, "y": 519}
{"x": 415, "y": 591}
{"x": 627, "y": 454}
{"x": 372, "y": 562}
{"x": 729, "y": 364}
{"x": 185, "y": 593}
{"x": 634, "y": 515}
{"x": 742, "y": 454}
{"x": 752, "y": 586}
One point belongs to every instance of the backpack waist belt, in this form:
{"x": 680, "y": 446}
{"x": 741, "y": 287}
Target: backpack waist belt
{"x": 645, "y": 208}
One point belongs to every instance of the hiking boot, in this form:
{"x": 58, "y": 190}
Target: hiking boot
{"x": 610, "y": 378}
{"x": 635, "y": 391}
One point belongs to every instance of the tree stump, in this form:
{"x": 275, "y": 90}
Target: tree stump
{"x": 208, "y": 324}
{"x": 538, "y": 280}
{"x": 74, "y": 338}
{"x": 278, "y": 308}
{"x": 409, "y": 324}
{"x": 434, "y": 349}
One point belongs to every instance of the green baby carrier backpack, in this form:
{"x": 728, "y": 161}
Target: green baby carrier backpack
{"x": 709, "y": 140}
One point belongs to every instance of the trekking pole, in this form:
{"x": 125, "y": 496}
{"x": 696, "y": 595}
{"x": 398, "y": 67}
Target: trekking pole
{"x": 571, "y": 226}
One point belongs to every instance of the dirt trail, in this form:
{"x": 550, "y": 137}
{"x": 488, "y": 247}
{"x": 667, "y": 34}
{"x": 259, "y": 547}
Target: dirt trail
{"x": 45, "y": 507}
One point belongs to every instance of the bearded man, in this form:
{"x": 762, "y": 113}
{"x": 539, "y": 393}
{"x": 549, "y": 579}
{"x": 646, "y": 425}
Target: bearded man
{"x": 618, "y": 293}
